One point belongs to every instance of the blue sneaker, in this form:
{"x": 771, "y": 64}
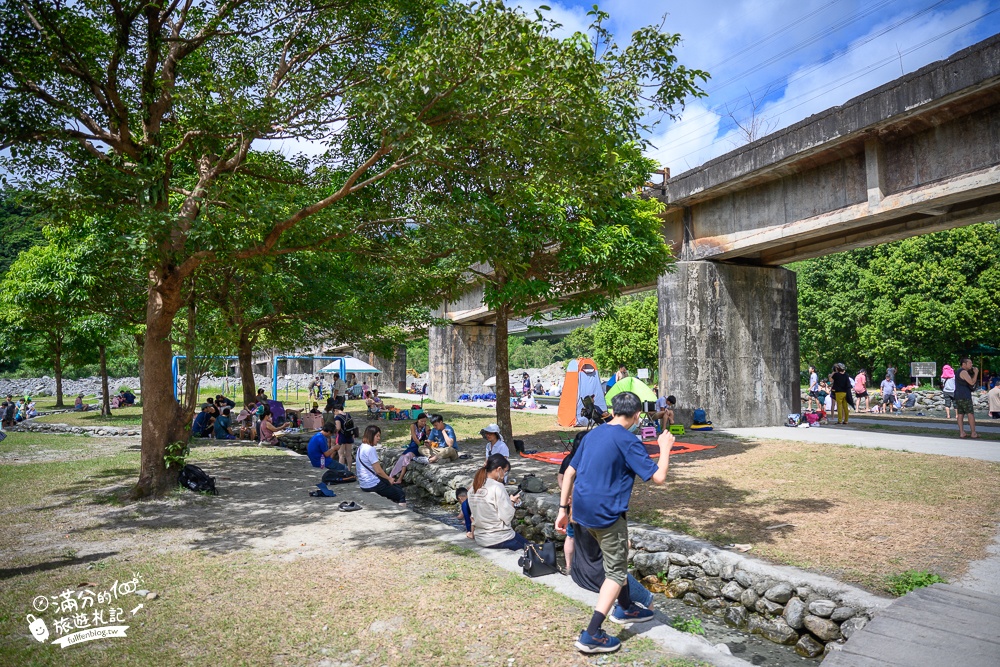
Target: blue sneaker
{"x": 599, "y": 643}
{"x": 634, "y": 614}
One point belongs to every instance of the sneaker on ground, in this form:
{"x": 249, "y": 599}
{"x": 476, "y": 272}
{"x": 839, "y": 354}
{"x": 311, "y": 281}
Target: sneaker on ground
{"x": 598, "y": 643}
{"x": 634, "y": 614}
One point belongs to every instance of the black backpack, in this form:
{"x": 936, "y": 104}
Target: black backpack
{"x": 194, "y": 478}
{"x": 349, "y": 427}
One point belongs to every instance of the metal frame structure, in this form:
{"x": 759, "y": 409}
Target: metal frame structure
{"x": 175, "y": 368}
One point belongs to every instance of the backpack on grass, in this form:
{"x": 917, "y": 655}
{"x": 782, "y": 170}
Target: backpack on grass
{"x": 194, "y": 478}
{"x": 531, "y": 484}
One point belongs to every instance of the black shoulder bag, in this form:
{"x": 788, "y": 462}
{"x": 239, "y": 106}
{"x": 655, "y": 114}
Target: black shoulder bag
{"x": 538, "y": 559}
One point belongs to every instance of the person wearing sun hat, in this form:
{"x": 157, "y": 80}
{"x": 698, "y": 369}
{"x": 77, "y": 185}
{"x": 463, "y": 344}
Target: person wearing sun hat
{"x": 948, "y": 389}
{"x": 494, "y": 441}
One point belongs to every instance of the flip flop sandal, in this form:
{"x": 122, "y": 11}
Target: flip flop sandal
{"x": 316, "y": 494}
{"x": 349, "y": 506}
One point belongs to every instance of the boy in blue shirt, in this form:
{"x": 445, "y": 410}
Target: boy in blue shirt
{"x": 320, "y": 451}
{"x": 444, "y": 444}
{"x": 599, "y": 479}
{"x": 462, "y": 496}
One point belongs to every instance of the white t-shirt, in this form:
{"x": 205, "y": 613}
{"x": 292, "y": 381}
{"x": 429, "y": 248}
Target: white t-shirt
{"x": 499, "y": 448}
{"x": 661, "y": 404}
{"x": 367, "y": 458}
{"x": 949, "y": 386}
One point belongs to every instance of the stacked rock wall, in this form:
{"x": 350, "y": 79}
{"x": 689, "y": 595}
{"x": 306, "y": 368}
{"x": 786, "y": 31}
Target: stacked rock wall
{"x": 785, "y": 605}
{"x": 927, "y": 401}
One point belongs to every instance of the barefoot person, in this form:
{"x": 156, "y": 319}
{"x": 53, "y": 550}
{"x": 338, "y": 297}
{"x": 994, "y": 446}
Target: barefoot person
{"x": 965, "y": 382}
{"x": 599, "y": 479}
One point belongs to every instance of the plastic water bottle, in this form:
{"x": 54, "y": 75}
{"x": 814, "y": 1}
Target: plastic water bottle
{"x": 322, "y": 462}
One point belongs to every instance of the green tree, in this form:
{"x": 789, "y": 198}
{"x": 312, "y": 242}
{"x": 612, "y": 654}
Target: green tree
{"x": 927, "y": 298}
{"x": 579, "y": 343}
{"x": 152, "y": 113}
{"x": 19, "y": 230}
{"x": 418, "y": 355}
{"x": 38, "y": 297}
{"x": 628, "y": 335}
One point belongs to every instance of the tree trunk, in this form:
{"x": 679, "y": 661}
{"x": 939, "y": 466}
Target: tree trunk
{"x": 503, "y": 378}
{"x": 57, "y": 367}
{"x": 105, "y": 397}
{"x": 245, "y": 354}
{"x": 139, "y": 344}
{"x": 191, "y": 364}
{"x": 163, "y": 420}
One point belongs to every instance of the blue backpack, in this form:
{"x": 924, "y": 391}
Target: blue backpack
{"x": 699, "y": 417}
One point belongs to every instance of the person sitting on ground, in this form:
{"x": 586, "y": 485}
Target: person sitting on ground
{"x": 29, "y": 408}
{"x": 569, "y": 545}
{"x": 538, "y": 388}
{"x": 529, "y": 402}
{"x": 516, "y": 403}
{"x": 588, "y": 570}
{"x": 554, "y": 389}
{"x": 204, "y": 422}
{"x": 261, "y": 396}
{"x": 993, "y": 399}
{"x": 322, "y": 447}
{"x": 910, "y": 403}
{"x": 128, "y": 396}
{"x": 402, "y": 463}
{"x": 492, "y": 508}
{"x": 19, "y": 415}
{"x": 315, "y": 409}
{"x": 443, "y": 443}
{"x": 464, "y": 513}
{"x": 247, "y": 419}
{"x": 420, "y": 433}
{"x": 223, "y": 402}
{"x": 371, "y": 476}
{"x": 664, "y": 412}
{"x": 223, "y": 426}
{"x": 494, "y": 441}
{"x": 78, "y": 404}
{"x": 268, "y": 431}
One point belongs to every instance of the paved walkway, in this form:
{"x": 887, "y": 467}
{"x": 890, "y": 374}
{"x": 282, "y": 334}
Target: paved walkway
{"x": 983, "y": 450}
{"x": 940, "y": 625}
{"x": 989, "y": 426}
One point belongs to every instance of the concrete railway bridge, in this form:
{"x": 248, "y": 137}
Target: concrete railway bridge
{"x": 920, "y": 154}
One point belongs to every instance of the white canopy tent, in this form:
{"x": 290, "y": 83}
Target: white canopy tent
{"x": 351, "y": 365}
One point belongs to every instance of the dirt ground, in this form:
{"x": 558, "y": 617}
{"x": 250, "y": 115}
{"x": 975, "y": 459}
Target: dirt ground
{"x": 262, "y": 574}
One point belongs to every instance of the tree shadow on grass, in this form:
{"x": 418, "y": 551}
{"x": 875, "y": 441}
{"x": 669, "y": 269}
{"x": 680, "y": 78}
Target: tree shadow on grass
{"x": 264, "y": 502}
{"x": 714, "y": 509}
{"x": 55, "y": 564}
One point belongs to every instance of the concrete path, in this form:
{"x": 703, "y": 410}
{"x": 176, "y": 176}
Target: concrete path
{"x": 983, "y": 450}
{"x": 984, "y": 575}
{"x": 990, "y": 426}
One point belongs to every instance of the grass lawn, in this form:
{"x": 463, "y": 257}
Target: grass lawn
{"x": 260, "y": 575}
{"x": 857, "y": 514}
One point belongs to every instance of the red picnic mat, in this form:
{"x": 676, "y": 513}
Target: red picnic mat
{"x": 651, "y": 447}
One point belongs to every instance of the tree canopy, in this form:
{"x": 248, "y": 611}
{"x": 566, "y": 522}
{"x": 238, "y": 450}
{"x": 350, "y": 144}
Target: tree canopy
{"x": 927, "y": 298}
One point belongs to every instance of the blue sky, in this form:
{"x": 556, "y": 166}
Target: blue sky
{"x": 796, "y": 57}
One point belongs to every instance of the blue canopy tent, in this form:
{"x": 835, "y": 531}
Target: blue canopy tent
{"x": 175, "y": 368}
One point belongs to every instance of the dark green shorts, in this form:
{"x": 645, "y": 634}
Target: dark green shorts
{"x": 963, "y": 406}
{"x": 614, "y": 547}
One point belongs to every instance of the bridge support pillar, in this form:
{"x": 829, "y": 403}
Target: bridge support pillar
{"x": 393, "y": 375}
{"x": 729, "y": 342}
{"x": 461, "y": 359}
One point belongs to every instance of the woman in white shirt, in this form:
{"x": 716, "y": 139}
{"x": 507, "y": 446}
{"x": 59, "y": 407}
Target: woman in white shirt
{"x": 492, "y": 509}
{"x": 371, "y": 477}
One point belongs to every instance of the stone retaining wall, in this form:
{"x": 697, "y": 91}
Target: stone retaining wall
{"x": 927, "y": 400}
{"x": 87, "y": 430}
{"x": 785, "y": 605}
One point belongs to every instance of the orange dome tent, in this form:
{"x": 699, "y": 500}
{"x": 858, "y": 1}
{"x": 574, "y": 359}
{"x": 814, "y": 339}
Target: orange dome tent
{"x": 581, "y": 380}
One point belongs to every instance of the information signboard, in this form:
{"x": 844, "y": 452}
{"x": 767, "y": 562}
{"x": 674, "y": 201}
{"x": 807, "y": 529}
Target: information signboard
{"x": 923, "y": 369}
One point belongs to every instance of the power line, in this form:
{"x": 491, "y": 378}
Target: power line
{"x": 809, "y": 69}
{"x": 857, "y": 74}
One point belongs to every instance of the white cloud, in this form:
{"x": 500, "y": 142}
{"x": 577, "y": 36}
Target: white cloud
{"x": 866, "y": 61}
{"x": 571, "y": 19}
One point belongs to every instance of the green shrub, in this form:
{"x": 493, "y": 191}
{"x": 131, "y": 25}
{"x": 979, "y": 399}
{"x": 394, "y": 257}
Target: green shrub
{"x": 691, "y": 625}
{"x": 903, "y": 583}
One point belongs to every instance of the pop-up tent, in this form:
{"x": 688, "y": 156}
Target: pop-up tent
{"x": 581, "y": 380}
{"x": 634, "y": 385}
